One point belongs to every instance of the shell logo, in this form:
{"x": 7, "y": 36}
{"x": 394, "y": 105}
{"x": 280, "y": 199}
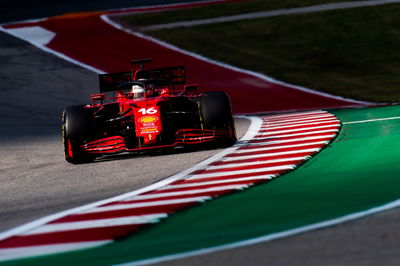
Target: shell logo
{"x": 148, "y": 119}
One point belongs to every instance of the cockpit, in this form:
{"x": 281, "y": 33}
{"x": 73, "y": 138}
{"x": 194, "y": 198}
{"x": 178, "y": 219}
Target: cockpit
{"x": 143, "y": 89}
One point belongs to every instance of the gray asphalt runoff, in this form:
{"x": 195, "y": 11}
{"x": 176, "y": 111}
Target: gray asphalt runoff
{"x": 35, "y": 179}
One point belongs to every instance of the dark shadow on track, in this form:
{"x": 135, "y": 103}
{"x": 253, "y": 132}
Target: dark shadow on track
{"x": 35, "y": 87}
{"x": 22, "y": 10}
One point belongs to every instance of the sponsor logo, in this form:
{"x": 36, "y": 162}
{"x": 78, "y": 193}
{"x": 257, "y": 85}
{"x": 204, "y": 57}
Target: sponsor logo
{"x": 148, "y": 119}
{"x": 149, "y": 130}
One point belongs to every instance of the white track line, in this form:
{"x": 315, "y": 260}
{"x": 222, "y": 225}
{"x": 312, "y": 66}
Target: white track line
{"x": 371, "y": 120}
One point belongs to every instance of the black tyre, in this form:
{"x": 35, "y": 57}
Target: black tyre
{"x": 216, "y": 114}
{"x": 77, "y": 126}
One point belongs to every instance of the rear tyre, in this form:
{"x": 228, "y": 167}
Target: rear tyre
{"x": 77, "y": 125}
{"x": 216, "y": 114}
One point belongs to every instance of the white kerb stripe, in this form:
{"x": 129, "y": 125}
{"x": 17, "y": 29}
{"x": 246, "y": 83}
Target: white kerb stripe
{"x": 298, "y": 134}
{"x": 98, "y": 223}
{"x": 255, "y": 149}
{"x": 283, "y": 121}
{"x": 248, "y": 179}
{"x": 268, "y": 140}
{"x": 311, "y": 122}
{"x": 312, "y": 128}
{"x": 145, "y": 204}
{"x": 271, "y": 154}
{"x": 233, "y": 165}
{"x": 296, "y": 114}
{"x": 180, "y": 193}
{"x": 297, "y": 123}
{"x": 239, "y": 172}
{"x": 295, "y": 118}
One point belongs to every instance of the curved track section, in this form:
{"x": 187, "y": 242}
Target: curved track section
{"x": 30, "y": 135}
{"x": 105, "y": 46}
{"x": 273, "y": 145}
{"x": 36, "y": 180}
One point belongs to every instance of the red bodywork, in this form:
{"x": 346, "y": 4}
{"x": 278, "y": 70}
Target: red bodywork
{"x": 142, "y": 118}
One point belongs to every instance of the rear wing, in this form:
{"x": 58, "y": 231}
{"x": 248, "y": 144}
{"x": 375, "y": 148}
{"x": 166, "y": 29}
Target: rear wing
{"x": 110, "y": 82}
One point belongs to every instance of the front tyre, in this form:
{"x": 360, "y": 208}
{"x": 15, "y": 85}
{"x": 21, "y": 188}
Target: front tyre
{"x": 216, "y": 114}
{"x": 77, "y": 125}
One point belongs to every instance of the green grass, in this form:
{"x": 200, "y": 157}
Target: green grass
{"x": 353, "y": 53}
{"x": 217, "y": 10}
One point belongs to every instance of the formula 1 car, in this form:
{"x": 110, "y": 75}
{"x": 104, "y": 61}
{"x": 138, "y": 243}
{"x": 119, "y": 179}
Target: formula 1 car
{"x": 146, "y": 109}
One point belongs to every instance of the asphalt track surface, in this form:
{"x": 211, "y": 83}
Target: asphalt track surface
{"x": 36, "y": 180}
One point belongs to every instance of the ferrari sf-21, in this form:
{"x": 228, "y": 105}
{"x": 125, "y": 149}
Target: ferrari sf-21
{"x": 143, "y": 110}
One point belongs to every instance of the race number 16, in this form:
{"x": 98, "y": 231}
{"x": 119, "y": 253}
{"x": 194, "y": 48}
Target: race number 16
{"x": 149, "y": 111}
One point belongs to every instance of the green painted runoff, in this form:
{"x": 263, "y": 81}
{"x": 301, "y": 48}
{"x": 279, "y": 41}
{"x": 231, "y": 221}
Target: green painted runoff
{"x": 357, "y": 171}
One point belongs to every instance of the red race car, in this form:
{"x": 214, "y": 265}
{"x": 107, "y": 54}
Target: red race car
{"x": 146, "y": 109}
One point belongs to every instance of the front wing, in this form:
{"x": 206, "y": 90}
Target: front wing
{"x": 117, "y": 144}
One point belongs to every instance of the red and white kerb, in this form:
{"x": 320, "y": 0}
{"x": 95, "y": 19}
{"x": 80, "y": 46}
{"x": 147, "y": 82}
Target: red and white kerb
{"x": 281, "y": 143}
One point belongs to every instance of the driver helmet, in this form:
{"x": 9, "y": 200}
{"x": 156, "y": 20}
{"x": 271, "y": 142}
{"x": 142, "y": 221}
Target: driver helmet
{"x": 138, "y": 91}
{"x": 150, "y": 90}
